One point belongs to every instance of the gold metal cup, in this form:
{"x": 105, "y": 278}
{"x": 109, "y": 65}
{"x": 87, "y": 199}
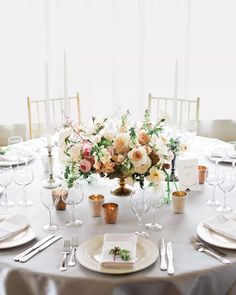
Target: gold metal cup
{"x": 202, "y": 174}
{"x": 110, "y": 212}
{"x": 179, "y": 201}
{"x": 95, "y": 203}
{"x": 61, "y": 205}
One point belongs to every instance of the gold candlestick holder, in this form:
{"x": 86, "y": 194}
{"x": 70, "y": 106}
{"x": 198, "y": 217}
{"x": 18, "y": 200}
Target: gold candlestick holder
{"x": 51, "y": 181}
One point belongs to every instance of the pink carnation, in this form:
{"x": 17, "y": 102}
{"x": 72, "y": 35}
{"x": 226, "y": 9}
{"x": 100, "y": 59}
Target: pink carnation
{"x": 85, "y": 166}
{"x": 86, "y": 151}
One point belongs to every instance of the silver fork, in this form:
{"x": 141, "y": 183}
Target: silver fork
{"x": 74, "y": 245}
{"x": 65, "y": 252}
{"x": 209, "y": 252}
{"x": 199, "y": 243}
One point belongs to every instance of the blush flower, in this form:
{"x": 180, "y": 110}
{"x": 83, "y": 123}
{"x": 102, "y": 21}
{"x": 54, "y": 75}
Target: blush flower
{"x": 138, "y": 156}
{"x": 86, "y": 152}
{"x": 85, "y": 166}
{"x": 143, "y": 137}
{"x": 144, "y": 167}
{"x": 121, "y": 143}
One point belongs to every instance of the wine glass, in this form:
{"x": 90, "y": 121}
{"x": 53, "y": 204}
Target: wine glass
{"x": 74, "y": 197}
{"x": 139, "y": 207}
{"x": 231, "y": 153}
{"x": 5, "y": 180}
{"x": 23, "y": 176}
{"x": 49, "y": 201}
{"x": 213, "y": 178}
{"x": 217, "y": 155}
{"x": 15, "y": 140}
{"x": 154, "y": 196}
{"x": 226, "y": 184}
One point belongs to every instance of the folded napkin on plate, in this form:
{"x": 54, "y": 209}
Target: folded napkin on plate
{"x": 12, "y": 225}
{"x": 222, "y": 225}
{"x": 217, "y": 153}
{"x": 124, "y": 241}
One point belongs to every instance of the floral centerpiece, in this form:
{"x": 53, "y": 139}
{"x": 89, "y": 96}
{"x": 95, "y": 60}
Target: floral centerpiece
{"x": 129, "y": 153}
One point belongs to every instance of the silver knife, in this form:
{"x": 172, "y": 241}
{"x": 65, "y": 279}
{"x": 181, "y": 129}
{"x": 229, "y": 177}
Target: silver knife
{"x": 170, "y": 268}
{"x": 36, "y": 251}
{"x": 35, "y": 246}
{"x": 163, "y": 254}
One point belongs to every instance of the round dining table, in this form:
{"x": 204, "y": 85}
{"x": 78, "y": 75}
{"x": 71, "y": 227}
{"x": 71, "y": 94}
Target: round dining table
{"x": 195, "y": 272}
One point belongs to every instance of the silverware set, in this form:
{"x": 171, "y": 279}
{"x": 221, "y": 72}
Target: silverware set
{"x": 166, "y": 251}
{"x": 69, "y": 248}
{"x": 202, "y": 247}
{"x": 36, "y": 248}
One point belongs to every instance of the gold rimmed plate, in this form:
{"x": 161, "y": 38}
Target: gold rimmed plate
{"x": 88, "y": 254}
{"x": 18, "y": 239}
{"x": 214, "y": 238}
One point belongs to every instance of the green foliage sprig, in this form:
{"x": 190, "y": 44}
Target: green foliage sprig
{"x": 123, "y": 253}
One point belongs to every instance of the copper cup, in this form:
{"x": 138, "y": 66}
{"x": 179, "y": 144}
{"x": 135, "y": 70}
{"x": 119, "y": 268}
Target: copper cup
{"x": 59, "y": 193}
{"x": 179, "y": 201}
{"x": 202, "y": 174}
{"x": 95, "y": 203}
{"x": 110, "y": 212}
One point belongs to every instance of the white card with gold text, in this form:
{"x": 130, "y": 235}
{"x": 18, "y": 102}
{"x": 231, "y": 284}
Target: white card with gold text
{"x": 188, "y": 174}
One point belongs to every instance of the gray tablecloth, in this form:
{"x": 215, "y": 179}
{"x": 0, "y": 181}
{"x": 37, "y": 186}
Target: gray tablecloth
{"x": 196, "y": 273}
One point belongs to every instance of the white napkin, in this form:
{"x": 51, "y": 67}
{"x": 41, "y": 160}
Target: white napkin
{"x": 217, "y": 153}
{"x": 12, "y": 225}
{"x": 13, "y": 153}
{"x": 124, "y": 241}
{"x": 222, "y": 225}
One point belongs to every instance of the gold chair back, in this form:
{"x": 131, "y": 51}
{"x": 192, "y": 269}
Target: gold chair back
{"x": 37, "y": 116}
{"x": 186, "y": 109}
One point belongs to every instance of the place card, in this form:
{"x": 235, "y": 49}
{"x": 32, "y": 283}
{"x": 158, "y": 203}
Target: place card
{"x": 188, "y": 174}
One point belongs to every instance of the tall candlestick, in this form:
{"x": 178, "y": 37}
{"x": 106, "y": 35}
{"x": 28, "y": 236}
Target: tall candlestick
{"x": 175, "y": 106}
{"x": 66, "y": 103}
{"x": 47, "y": 107}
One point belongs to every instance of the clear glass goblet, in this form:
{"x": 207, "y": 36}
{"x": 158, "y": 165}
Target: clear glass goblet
{"x": 226, "y": 184}
{"x": 49, "y": 201}
{"x": 154, "y": 195}
{"x": 231, "y": 153}
{"x": 23, "y": 176}
{"x": 74, "y": 197}
{"x": 15, "y": 140}
{"x": 5, "y": 180}
{"x": 139, "y": 206}
{"x": 213, "y": 178}
{"x": 217, "y": 155}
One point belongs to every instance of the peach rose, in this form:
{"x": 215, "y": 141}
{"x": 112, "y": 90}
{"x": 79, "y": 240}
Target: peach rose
{"x": 138, "y": 156}
{"x": 85, "y": 166}
{"x": 144, "y": 167}
{"x": 121, "y": 143}
{"x": 143, "y": 137}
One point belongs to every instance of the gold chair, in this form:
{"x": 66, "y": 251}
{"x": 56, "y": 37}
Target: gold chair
{"x": 186, "y": 109}
{"x": 36, "y": 113}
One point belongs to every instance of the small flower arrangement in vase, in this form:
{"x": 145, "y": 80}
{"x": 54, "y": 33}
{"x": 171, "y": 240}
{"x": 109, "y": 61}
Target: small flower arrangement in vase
{"x": 129, "y": 153}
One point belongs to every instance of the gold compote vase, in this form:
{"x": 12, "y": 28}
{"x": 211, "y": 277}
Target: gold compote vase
{"x": 122, "y": 190}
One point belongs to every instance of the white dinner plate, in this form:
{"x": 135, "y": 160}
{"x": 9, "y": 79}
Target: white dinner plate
{"x": 1, "y": 189}
{"x": 224, "y": 146}
{"x": 21, "y": 238}
{"x": 214, "y": 238}
{"x": 89, "y": 255}
{"x": 26, "y": 154}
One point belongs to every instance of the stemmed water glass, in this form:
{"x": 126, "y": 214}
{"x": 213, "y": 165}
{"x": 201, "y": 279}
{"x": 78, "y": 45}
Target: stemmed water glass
{"x": 23, "y": 176}
{"x": 213, "y": 178}
{"x": 154, "y": 196}
{"x": 5, "y": 180}
{"x": 139, "y": 206}
{"x": 15, "y": 140}
{"x": 231, "y": 153}
{"x": 49, "y": 201}
{"x": 226, "y": 184}
{"x": 217, "y": 155}
{"x": 74, "y": 197}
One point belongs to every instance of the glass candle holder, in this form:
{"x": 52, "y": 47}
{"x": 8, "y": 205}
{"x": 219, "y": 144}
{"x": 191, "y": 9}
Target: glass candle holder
{"x": 110, "y": 212}
{"x": 95, "y": 203}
